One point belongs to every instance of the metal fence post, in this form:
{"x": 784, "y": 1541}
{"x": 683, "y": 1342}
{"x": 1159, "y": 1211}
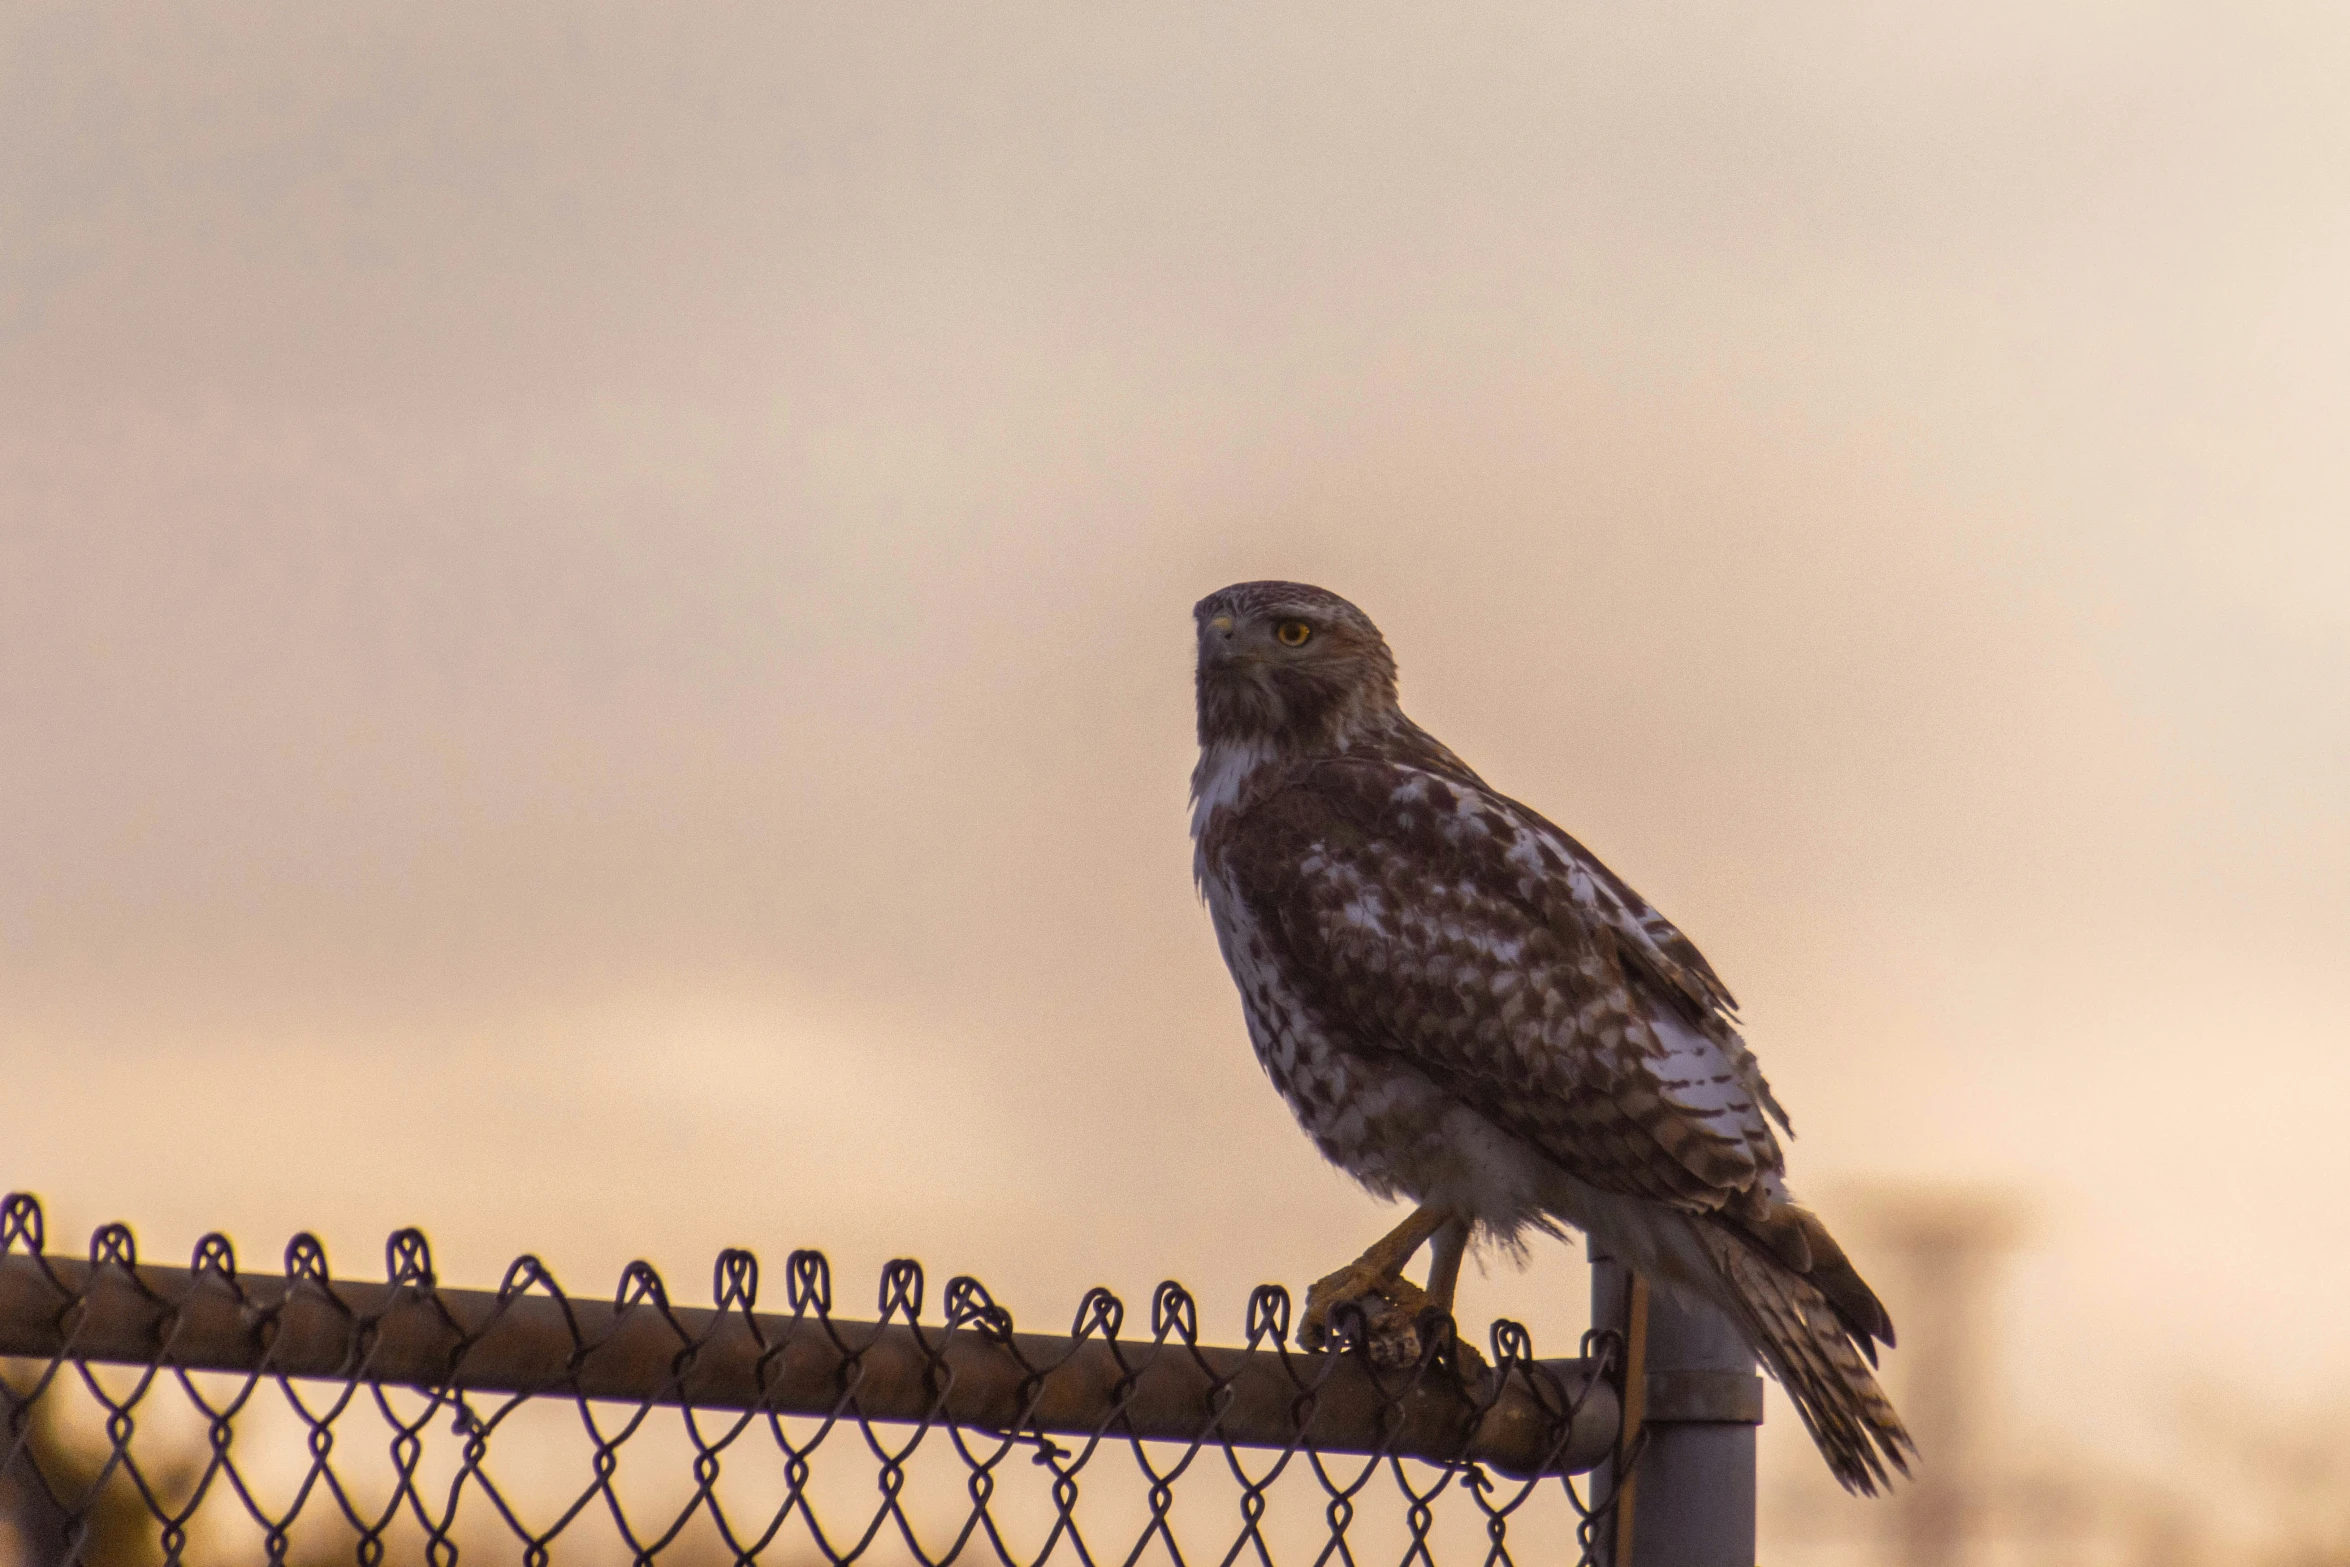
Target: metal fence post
{"x": 1689, "y": 1501}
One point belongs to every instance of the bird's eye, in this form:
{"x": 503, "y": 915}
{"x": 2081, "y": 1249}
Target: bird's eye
{"x": 1293, "y": 633}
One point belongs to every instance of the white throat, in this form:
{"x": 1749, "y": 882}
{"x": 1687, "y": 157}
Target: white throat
{"x": 1225, "y": 767}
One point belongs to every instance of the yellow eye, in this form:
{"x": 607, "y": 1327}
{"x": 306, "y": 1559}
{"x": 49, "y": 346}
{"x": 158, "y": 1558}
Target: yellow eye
{"x": 1293, "y": 633}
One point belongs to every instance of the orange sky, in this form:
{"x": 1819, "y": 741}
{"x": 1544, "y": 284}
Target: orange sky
{"x": 593, "y": 611}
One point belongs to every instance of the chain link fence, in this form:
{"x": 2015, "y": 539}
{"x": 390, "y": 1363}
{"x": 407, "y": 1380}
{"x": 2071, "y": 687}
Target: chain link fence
{"x": 210, "y": 1414}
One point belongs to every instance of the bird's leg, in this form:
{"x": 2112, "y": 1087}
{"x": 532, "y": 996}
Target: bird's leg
{"x": 1444, "y": 1264}
{"x": 1374, "y": 1283}
{"x": 1444, "y": 1277}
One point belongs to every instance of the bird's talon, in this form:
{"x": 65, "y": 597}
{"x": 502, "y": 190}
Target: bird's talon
{"x": 1390, "y": 1307}
{"x": 1468, "y": 1363}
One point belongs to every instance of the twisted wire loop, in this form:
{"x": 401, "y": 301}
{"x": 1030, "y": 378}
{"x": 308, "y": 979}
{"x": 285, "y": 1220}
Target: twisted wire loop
{"x": 212, "y": 1414}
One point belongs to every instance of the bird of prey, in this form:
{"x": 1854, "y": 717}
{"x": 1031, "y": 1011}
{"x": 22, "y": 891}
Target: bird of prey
{"x": 1464, "y": 1007}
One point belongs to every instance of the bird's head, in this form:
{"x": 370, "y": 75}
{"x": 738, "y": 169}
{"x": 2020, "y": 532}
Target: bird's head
{"x": 1289, "y": 665}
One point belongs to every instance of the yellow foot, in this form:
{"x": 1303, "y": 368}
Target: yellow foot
{"x": 1391, "y": 1306}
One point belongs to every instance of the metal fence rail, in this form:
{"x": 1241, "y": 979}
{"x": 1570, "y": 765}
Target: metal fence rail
{"x": 206, "y": 1413}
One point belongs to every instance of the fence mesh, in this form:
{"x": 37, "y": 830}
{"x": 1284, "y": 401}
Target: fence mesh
{"x": 207, "y": 1414}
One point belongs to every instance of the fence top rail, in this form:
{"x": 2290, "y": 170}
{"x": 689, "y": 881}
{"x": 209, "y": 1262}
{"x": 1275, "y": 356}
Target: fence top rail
{"x": 967, "y": 1368}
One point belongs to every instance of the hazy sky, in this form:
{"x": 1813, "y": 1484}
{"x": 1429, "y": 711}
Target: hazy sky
{"x": 594, "y": 610}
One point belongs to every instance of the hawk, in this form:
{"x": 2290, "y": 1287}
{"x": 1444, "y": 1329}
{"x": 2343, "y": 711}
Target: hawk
{"x": 1464, "y": 1007}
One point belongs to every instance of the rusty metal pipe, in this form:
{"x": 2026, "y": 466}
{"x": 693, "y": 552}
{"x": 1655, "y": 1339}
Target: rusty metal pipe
{"x": 1546, "y": 1418}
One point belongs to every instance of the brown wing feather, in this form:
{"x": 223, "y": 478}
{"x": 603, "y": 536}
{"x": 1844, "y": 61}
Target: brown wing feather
{"x": 1566, "y": 1019}
{"x": 1404, "y": 920}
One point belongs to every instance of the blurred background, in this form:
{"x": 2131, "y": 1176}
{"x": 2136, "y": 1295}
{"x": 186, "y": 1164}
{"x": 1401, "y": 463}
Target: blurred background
{"x": 594, "y": 644}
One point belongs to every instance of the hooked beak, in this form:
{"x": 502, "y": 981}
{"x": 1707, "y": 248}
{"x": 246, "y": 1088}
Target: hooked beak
{"x": 1216, "y": 644}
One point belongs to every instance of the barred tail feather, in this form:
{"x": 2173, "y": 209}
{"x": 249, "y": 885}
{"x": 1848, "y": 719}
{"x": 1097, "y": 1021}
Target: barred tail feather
{"x": 1811, "y": 1347}
{"x": 1793, "y": 1296}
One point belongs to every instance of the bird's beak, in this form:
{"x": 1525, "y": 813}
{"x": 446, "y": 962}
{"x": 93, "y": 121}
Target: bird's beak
{"x": 1215, "y": 641}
